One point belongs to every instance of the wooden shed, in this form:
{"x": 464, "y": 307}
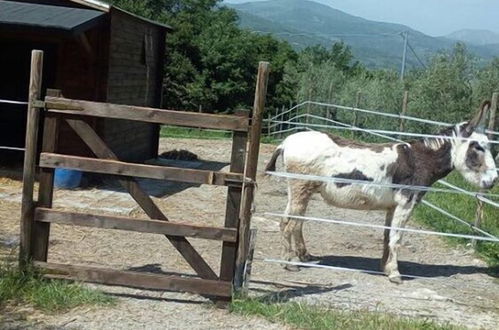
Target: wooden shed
{"x": 93, "y": 51}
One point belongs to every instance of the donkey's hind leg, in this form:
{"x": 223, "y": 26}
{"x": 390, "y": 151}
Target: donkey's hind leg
{"x": 299, "y": 193}
{"x": 301, "y": 249}
{"x": 401, "y": 215}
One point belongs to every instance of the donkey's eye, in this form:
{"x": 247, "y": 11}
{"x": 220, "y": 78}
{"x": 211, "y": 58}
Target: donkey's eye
{"x": 478, "y": 147}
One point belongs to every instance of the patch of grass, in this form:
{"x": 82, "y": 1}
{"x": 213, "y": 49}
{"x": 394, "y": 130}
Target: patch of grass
{"x": 196, "y": 133}
{"x": 193, "y": 133}
{"x": 304, "y": 316}
{"x": 48, "y": 295}
{"x": 463, "y": 207}
{"x": 270, "y": 140}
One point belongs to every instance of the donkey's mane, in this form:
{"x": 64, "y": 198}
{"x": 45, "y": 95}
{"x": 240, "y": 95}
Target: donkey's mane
{"x": 436, "y": 143}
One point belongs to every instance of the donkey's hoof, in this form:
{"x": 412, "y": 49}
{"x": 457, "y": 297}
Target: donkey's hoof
{"x": 291, "y": 268}
{"x": 307, "y": 257}
{"x": 396, "y": 278}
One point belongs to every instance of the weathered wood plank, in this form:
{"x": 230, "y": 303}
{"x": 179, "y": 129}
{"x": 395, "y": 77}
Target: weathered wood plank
{"x": 100, "y": 149}
{"x": 41, "y": 233}
{"x": 137, "y": 225}
{"x": 238, "y": 156}
{"x": 250, "y": 172}
{"x": 249, "y": 262}
{"x": 136, "y": 279}
{"x": 31, "y": 142}
{"x": 115, "y": 167}
{"x": 144, "y": 114}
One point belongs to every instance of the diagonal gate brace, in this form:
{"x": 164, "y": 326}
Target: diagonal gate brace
{"x": 101, "y": 150}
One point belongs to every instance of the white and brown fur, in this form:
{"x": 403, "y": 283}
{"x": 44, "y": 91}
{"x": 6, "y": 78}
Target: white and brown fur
{"x": 420, "y": 163}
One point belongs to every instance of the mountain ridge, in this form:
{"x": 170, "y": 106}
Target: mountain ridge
{"x": 478, "y": 37}
{"x": 376, "y": 44}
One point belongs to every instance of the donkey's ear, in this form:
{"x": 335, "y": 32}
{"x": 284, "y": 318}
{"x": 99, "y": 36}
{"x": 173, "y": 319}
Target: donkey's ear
{"x": 478, "y": 121}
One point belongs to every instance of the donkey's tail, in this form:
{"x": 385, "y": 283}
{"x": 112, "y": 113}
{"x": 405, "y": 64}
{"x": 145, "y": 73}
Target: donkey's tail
{"x": 271, "y": 164}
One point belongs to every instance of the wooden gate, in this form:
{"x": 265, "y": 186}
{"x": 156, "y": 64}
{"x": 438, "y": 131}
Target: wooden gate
{"x": 37, "y": 216}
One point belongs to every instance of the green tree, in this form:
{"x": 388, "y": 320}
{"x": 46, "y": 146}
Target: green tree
{"x": 339, "y": 55}
{"x": 211, "y": 64}
{"x": 487, "y": 81}
{"x": 444, "y": 90}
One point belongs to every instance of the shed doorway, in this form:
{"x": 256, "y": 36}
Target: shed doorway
{"x": 15, "y": 62}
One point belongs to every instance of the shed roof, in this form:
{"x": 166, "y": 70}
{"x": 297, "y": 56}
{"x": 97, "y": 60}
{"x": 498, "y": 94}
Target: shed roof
{"x": 64, "y": 19}
{"x": 104, "y": 6}
{"x": 101, "y": 5}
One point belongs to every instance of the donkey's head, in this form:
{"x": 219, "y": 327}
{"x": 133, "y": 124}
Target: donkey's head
{"x": 471, "y": 156}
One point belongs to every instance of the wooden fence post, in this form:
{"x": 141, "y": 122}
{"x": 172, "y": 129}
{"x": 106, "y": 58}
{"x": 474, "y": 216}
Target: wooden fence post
{"x": 30, "y": 154}
{"x": 281, "y": 119}
{"x": 309, "y": 106}
{"x": 250, "y": 173}
{"x": 355, "y": 114}
{"x": 404, "y": 111}
{"x": 493, "y": 114}
{"x": 41, "y": 230}
{"x": 233, "y": 206}
{"x": 249, "y": 263}
{"x": 491, "y": 127}
{"x": 330, "y": 92}
{"x": 269, "y": 121}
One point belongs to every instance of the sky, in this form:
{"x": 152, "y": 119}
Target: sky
{"x": 432, "y": 17}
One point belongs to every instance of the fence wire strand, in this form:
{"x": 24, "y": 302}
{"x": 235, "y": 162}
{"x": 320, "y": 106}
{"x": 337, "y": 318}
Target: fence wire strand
{"x": 368, "y": 225}
{"x": 13, "y": 102}
{"x": 354, "y": 270}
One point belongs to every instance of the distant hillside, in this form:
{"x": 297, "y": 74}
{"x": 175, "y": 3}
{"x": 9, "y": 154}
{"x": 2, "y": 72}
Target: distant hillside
{"x": 475, "y": 37}
{"x": 376, "y": 44}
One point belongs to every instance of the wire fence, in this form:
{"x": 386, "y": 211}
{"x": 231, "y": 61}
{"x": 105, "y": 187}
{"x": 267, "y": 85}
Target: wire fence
{"x": 398, "y": 116}
{"x": 358, "y": 129}
{"x": 366, "y": 183}
{"x": 292, "y": 120}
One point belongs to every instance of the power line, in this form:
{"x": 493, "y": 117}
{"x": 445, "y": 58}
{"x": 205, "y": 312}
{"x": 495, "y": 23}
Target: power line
{"x": 308, "y": 34}
{"x": 404, "y": 54}
{"x": 416, "y": 55}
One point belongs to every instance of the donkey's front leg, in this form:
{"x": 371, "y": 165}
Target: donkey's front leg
{"x": 401, "y": 214}
{"x": 386, "y": 237}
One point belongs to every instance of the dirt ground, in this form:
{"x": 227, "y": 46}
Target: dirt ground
{"x": 456, "y": 288}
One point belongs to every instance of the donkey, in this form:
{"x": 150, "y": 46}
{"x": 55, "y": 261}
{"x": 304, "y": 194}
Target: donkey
{"x": 422, "y": 162}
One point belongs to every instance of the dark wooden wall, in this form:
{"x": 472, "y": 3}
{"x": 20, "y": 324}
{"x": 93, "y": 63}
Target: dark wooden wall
{"x": 122, "y": 63}
{"x": 135, "y": 75}
{"x": 82, "y": 74}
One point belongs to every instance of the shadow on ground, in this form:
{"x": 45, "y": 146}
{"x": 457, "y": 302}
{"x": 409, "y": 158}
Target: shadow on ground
{"x": 163, "y": 299}
{"x": 297, "y": 291}
{"x": 156, "y": 269}
{"x": 11, "y": 164}
{"x": 405, "y": 267}
{"x": 155, "y": 187}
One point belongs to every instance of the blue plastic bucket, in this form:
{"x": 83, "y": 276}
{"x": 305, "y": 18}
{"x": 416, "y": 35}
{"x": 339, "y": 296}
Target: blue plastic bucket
{"x": 68, "y": 179}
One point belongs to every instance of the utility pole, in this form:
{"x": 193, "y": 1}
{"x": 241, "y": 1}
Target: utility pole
{"x": 404, "y": 54}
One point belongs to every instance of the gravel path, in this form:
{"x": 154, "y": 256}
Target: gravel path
{"x": 457, "y": 289}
